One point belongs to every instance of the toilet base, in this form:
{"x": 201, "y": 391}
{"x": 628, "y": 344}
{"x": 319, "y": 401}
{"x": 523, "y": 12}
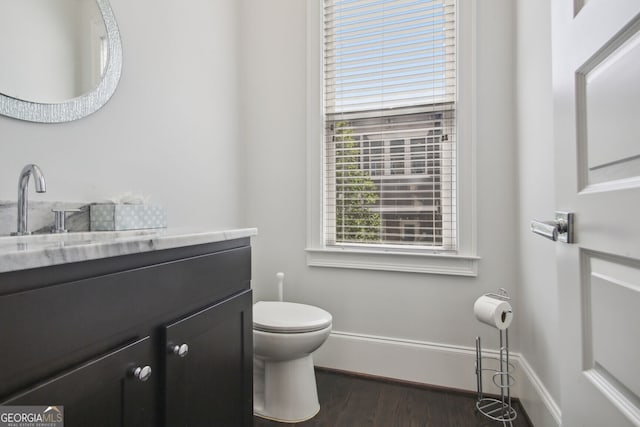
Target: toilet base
{"x": 285, "y": 391}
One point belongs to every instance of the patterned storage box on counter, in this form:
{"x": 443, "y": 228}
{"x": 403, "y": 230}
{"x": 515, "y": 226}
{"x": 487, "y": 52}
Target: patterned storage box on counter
{"x": 117, "y": 217}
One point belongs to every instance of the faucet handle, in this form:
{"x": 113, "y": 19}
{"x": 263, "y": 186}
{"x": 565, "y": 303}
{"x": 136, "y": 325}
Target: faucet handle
{"x": 60, "y": 219}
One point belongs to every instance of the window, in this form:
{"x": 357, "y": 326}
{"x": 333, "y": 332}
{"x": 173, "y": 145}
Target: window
{"x": 389, "y": 77}
{"x": 390, "y": 140}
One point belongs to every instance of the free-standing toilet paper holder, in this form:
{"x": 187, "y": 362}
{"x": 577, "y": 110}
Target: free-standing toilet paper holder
{"x": 497, "y": 409}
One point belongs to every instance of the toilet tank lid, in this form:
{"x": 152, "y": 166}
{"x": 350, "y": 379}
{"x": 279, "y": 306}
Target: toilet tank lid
{"x": 279, "y": 316}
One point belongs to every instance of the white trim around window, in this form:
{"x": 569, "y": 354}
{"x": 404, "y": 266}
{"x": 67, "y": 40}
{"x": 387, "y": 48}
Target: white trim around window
{"x": 464, "y": 261}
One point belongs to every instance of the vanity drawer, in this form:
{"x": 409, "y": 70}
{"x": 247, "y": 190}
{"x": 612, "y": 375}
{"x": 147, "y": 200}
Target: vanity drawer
{"x": 53, "y": 328}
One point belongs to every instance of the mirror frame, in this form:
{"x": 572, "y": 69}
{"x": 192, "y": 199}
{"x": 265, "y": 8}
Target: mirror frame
{"x": 83, "y": 105}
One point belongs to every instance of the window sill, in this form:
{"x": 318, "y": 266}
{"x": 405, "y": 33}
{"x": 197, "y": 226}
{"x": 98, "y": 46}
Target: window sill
{"x": 453, "y": 265}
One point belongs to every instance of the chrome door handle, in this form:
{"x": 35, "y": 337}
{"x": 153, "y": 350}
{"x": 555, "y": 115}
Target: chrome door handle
{"x": 561, "y": 229}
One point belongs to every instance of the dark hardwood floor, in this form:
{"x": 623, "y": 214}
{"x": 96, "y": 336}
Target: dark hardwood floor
{"x": 355, "y": 401}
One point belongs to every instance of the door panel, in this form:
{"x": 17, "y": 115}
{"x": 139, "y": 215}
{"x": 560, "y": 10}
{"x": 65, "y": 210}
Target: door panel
{"x": 212, "y": 384}
{"x": 100, "y": 393}
{"x": 596, "y": 61}
{"x": 609, "y": 96}
{"x": 612, "y": 299}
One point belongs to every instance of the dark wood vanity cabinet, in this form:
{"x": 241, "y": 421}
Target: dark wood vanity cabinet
{"x": 150, "y": 339}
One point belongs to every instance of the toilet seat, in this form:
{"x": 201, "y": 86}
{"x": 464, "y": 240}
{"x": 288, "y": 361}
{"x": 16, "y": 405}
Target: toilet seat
{"x": 289, "y": 317}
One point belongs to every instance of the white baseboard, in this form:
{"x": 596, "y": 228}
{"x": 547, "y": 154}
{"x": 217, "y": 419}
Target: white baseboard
{"x": 536, "y": 399}
{"x": 435, "y": 364}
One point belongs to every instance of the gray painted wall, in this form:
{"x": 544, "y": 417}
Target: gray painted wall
{"x": 538, "y": 283}
{"x": 170, "y": 130}
{"x": 430, "y": 308}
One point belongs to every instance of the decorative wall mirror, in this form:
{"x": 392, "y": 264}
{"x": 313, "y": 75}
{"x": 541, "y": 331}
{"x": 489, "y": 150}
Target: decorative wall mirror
{"x": 61, "y": 60}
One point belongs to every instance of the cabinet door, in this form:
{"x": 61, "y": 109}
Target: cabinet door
{"x": 212, "y": 384}
{"x": 101, "y": 393}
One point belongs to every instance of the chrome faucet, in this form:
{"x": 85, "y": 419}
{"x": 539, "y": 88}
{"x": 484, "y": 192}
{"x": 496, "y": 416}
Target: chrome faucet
{"x": 23, "y": 204}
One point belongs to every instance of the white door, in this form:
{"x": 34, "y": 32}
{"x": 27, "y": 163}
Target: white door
{"x": 596, "y": 84}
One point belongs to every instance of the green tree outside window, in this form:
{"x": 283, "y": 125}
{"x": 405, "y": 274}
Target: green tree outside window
{"x": 356, "y": 193}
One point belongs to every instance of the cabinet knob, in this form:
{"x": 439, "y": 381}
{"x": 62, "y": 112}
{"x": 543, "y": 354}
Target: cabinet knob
{"x": 141, "y": 373}
{"x": 180, "y": 350}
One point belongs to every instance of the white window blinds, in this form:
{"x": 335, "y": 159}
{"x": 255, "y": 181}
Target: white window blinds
{"x": 390, "y": 137}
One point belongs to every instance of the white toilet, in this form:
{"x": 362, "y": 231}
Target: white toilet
{"x": 284, "y": 336}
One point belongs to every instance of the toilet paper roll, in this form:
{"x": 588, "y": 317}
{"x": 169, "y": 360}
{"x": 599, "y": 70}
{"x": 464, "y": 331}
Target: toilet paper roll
{"x": 494, "y": 312}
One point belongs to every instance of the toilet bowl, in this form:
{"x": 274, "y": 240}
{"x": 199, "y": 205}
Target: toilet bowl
{"x": 284, "y": 336}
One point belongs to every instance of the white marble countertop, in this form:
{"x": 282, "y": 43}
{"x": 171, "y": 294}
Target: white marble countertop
{"x": 23, "y": 252}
